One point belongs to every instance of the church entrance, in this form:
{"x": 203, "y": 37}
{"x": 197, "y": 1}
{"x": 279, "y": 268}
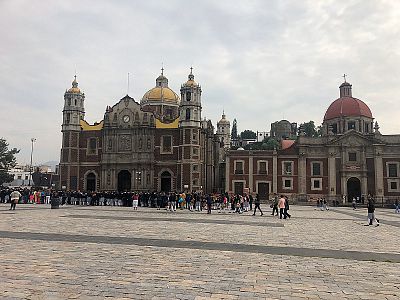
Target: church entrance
{"x": 91, "y": 182}
{"x": 166, "y": 181}
{"x": 353, "y": 189}
{"x": 124, "y": 181}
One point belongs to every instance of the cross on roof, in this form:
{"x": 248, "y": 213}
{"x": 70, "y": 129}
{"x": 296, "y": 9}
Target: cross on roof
{"x": 344, "y": 76}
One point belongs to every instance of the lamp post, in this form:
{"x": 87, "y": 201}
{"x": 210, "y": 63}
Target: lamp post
{"x": 33, "y": 140}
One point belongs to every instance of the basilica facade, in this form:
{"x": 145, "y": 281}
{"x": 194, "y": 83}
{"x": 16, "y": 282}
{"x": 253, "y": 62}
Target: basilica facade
{"x": 159, "y": 144}
{"x": 351, "y": 159}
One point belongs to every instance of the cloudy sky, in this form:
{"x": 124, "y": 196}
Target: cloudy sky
{"x": 261, "y": 61}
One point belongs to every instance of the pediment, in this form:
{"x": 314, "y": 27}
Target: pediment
{"x": 353, "y": 139}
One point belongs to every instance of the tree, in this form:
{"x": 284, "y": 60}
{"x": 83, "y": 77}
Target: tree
{"x": 248, "y": 135}
{"x": 7, "y": 161}
{"x": 234, "y": 134}
{"x": 310, "y": 129}
{"x": 271, "y": 144}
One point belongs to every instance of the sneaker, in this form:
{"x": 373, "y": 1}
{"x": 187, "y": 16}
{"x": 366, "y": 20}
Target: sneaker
{"x": 377, "y": 221}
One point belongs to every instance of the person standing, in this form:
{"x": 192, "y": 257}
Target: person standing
{"x": 209, "y": 204}
{"x": 371, "y": 212}
{"x": 14, "y": 196}
{"x": 281, "y": 206}
{"x": 257, "y": 205}
{"x": 135, "y": 201}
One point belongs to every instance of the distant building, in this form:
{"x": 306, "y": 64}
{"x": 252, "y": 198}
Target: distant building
{"x": 350, "y": 160}
{"x": 282, "y": 130}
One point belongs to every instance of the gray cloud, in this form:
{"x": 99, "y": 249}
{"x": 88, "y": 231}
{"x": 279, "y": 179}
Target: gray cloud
{"x": 259, "y": 60}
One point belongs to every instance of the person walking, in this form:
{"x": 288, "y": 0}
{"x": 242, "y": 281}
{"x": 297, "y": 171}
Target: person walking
{"x": 353, "y": 203}
{"x": 257, "y": 205}
{"x": 281, "y": 206}
{"x": 275, "y": 205}
{"x": 397, "y": 205}
{"x": 371, "y": 212}
{"x": 14, "y": 196}
{"x": 286, "y": 208}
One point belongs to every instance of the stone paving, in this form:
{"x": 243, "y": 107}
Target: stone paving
{"x": 114, "y": 252}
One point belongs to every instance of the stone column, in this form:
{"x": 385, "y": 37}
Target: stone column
{"x": 379, "y": 190}
{"x": 332, "y": 173}
{"x": 302, "y": 174}
{"x": 251, "y": 173}
{"x": 275, "y": 172}
{"x": 227, "y": 175}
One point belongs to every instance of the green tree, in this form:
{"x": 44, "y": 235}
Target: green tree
{"x": 310, "y": 129}
{"x": 271, "y": 144}
{"x": 234, "y": 133}
{"x": 248, "y": 134}
{"x": 7, "y": 161}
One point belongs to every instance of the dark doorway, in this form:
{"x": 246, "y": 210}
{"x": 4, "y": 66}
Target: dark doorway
{"x": 238, "y": 188}
{"x": 124, "y": 181}
{"x": 91, "y": 182}
{"x": 166, "y": 181}
{"x": 353, "y": 189}
{"x": 263, "y": 190}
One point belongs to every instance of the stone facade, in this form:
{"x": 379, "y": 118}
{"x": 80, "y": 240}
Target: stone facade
{"x": 159, "y": 144}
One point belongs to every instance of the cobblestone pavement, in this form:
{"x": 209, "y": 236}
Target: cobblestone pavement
{"x": 114, "y": 252}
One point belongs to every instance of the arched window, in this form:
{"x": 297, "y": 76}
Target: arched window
{"x": 187, "y": 113}
{"x": 188, "y": 96}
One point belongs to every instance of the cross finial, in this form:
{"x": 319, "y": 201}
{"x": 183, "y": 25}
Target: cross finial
{"x": 75, "y": 77}
{"x": 344, "y": 77}
{"x": 162, "y": 68}
{"x": 191, "y": 70}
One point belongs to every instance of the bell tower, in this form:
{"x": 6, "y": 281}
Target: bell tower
{"x": 73, "y": 113}
{"x": 191, "y": 159}
{"x": 190, "y": 108}
{"x": 74, "y": 108}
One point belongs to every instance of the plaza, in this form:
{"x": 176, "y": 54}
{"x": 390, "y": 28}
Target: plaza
{"x": 114, "y": 252}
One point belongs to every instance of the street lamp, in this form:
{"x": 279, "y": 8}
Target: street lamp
{"x": 33, "y": 140}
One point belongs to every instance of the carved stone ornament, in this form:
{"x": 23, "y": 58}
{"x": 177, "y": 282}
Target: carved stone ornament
{"x": 125, "y": 143}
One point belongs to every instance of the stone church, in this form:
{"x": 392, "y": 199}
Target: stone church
{"x": 159, "y": 144}
{"x": 350, "y": 160}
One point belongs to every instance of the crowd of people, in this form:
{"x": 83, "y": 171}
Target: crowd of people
{"x": 172, "y": 201}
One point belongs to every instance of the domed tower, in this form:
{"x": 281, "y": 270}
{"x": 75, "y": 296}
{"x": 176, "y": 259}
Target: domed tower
{"x": 223, "y": 131}
{"x": 190, "y": 108}
{"x": 73, "y": 113}
{"x": 347, "y": 113}
{"x": 161, "y": 100}
{"x": 74, "y": 108}
{"x": 191, "y": 136}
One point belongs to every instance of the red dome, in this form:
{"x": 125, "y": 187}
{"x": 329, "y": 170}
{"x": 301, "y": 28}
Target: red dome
{"x": 347, "y": 106}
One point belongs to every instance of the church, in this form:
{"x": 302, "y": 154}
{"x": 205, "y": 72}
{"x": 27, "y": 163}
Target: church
{"x": 351, "y": 159}
{"x": 159, "y": 144}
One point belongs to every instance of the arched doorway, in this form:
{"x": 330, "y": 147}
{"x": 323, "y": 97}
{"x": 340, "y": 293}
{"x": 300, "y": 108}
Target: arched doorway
{"x": 353, "y": 188}
{"x": 166, "y": 181}
{"x": 124, "y": 181}
{"x": 91, "y": 182}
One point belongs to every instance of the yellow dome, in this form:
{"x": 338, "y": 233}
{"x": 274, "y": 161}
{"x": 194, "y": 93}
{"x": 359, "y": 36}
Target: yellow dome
{"x": 75, "y": 90}
{"x": 161, "y": 93}
{"x": 191, "y": 82}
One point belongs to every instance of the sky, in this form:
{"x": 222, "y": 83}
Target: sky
{"x": 259, "y": 61}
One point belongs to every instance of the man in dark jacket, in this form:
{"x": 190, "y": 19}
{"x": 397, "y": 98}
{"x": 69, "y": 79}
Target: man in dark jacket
{"x": 371, "y": 212}
{"x": 257, "y": 205}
